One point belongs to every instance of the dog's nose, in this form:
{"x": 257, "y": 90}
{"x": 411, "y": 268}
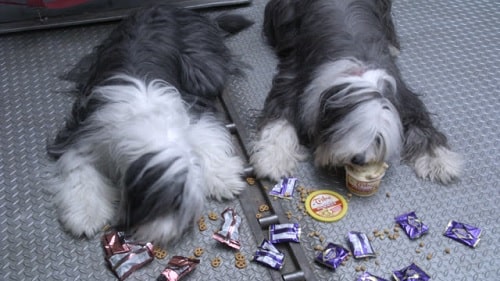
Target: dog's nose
{"x": 358, "y": 159}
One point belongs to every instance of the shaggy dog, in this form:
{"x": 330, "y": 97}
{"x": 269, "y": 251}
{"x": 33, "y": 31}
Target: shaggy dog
{"x": 145, "y": 144}
{"x": 339, "y": 90}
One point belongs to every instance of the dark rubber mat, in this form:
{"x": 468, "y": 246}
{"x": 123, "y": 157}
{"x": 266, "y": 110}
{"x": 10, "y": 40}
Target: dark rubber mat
{"x": 450, "y": 54}
{"x": 15, "y": 18}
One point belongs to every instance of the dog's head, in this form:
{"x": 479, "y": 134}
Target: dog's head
{"x": 356, "y": 121}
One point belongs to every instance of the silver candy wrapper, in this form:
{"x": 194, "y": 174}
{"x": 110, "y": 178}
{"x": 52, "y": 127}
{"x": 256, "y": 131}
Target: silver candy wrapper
{"x": 124, "y": 256}
{"x": 229, "y": 233}
{"x": 177, "y": 268}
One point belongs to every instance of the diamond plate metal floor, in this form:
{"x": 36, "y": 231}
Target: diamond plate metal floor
{"x": 450, "y": 54}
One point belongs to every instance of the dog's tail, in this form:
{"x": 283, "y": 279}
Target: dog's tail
{"x": 162, "y": 194}
{"x": 232, "y": 23}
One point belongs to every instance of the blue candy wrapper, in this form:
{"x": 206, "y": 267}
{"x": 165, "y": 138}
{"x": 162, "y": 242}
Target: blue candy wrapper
{"x": 411, "y": 273}
{"x": 269, "y": 255}
{"x": 286, "y": 232}
{"x": 463, "y": 233}
{"x": 360, "y": 245}
{"x": 332, "y": 256}
{"x": 412, "y": 225}
{"x": 284, "y": 188}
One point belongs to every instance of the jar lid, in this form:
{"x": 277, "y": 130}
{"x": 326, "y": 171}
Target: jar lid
{"x": 326, "y": 205}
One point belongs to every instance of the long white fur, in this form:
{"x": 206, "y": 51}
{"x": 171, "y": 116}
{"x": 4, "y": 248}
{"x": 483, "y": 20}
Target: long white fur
{"x": 139, "y": 118}
{"x": 443, "y": 165}
{"x": 277, "y": 150}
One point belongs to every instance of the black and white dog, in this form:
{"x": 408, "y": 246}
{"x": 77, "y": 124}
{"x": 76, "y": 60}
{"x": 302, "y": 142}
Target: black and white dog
{"x": 145, "y": 144}
{"x": 338, "y": 89}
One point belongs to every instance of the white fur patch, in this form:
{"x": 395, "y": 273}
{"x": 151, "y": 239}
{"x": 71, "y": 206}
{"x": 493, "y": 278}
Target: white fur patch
{"x": 277, "y": 151}
{"x": 442, "y": 165}
{"x": 83, "y": 196}
{"x": 222, "y": 167}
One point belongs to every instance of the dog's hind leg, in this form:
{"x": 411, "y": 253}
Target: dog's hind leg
{"x": 426, "y": 148}
{"x": 83, "y": 196}
{"x": 222, "y": 167}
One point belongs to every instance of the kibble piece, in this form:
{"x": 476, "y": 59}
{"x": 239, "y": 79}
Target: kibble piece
{"x": 258, "y": 215}
{"x": 240, "y": 264}
{"x": 216, "y": 262}
{"x": 251, "y": 181}
{"x": 421, "y": 244}
{"x": 239, "y": 256}
{"x": 198, "y": 252}
{"x": 362, "y": 268}
{"x": 447, "y": 250}
{"x": 213, "y": 216}
{"x": 418, "y": 251}
{"x": 318, "y": 248}
{"x": 263, "y": 208}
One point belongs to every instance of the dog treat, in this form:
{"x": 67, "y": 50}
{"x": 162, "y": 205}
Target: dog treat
{"x": 366, "y": 276}
{"x": 412, "y": 225}
{"x": 411, "y": 273}
{"x": 284, "y": 188}
{"x": 177, "y": 268}
{"x": 216, "y": 262}
{"x": 198, "y": 252}
{"x": 463, "y": 233}
{"x": 229, "y": 233}
{"x": 239, "y": 256}
{"x": 159, "y": 252}
{"x": 263, "y": 208}
{"x": 212, "y": 216}
{"x": 332, "y": 256}
{"x": 360, "y": 245}
{"x": 250, "y": 180}
{"x": 286, "y": 232}
{"x": 269, "y": 255}
{"x": 240, "y": 264}
{"x": 365, "y": 180}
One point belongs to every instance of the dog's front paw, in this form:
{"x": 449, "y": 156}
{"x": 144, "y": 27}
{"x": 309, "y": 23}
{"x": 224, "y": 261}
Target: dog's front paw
{"x": 277, "y": 151}
{"x": 440, "y": 165}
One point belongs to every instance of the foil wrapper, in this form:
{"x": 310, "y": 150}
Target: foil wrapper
{"x": 177, "y": 268}
{"x": 114, "y": 242}
{"x": 284, "y": 188}
{"x": 229, "y": 232}
{"x": 124, "y": 256}
{"x": 411, "y": 273}
{"x": 268, "y": 255}
{"x": 286, "y": 232}
{"x": 412, "y": 225}
{"x": 366, "y": 276}
{"x": 360, "y": 245}
{"x": 332, "y": 255}
{"x": 463, "y": 233}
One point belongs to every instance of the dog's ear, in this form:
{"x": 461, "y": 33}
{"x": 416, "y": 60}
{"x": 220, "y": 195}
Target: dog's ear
{"x": 281, "y": 23}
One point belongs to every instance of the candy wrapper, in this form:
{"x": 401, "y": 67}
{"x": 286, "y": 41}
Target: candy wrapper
{"x": 177, "y": 268}
{"x": 463, "y": 233}
{"x": 332, "y": 256}
{"x": 412, "y": 225}
{"x": 411, "y": 273}
{"x": 284, "y": 188}
{"x": 229, "y": 233}
{"x": 268, "y": 255}
{"x": 360, "y": 245}
{"x": 287, "y": 232}
{"x": 125, "y": 256}
{"x": 365, "y": 276}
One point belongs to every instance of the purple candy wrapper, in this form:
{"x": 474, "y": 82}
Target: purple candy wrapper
{"x": 286, "y": 232}
{"x": 229, "y": 233}
{"x": 332, "y": 256}
{"x": 360, "y": 245}
{"x": 463, "y": 233}
{"x": 284, "y": 188}
{"x": 411, "y": 273}
{"x": 365, "y": 276}
{"x": 269, "y": 255}
{"x": 412, "y": 225}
